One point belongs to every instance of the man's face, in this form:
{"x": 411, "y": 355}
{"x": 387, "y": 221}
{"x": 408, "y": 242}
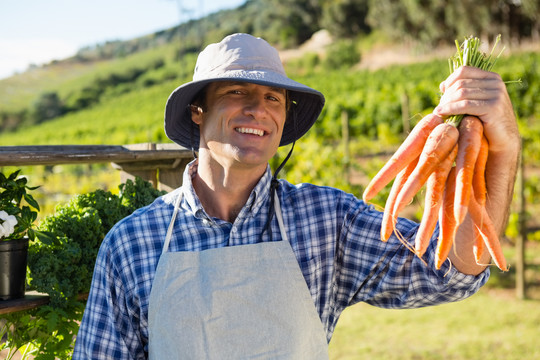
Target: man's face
{"x": 242, "y": 123}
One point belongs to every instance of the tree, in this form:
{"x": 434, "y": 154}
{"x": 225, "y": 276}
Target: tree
{"x": 48, "y": 106}
{"x": 345, "y": 18}
{"x": 390, "y": 16}
{"x": 530, "y": 23}
{"x": 288, "y": 22}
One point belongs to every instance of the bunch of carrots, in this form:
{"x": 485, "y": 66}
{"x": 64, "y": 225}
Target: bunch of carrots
{"x": 448, "y": 157}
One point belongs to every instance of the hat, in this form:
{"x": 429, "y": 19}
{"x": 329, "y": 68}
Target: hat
{"x": 240, "y": 57}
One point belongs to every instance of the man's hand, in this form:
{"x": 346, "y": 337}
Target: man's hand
{"x": 483, "y": 94}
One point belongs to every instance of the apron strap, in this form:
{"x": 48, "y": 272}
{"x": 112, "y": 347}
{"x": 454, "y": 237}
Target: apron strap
{"x": 277, "y": 209}
{"x": 279, "y": 217}
{"x": 171, "y": 223}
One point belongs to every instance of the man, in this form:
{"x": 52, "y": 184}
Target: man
{"x": 236, "y": 264}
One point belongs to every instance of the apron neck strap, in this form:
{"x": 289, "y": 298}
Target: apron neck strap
{"x": 276, "y": 208}
{"x": 171, "y": 223}
{"x": 279, "y": 217}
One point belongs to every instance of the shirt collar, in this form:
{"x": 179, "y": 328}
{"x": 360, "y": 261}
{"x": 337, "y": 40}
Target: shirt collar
{"x": 258, "y": 197}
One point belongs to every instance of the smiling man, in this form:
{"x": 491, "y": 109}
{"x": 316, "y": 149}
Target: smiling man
{"x": 236, "y": 264}
{"x": 239, "y": 134}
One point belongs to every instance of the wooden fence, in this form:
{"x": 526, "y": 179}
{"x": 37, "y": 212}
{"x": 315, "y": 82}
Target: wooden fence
{"x": 161, "y": 164}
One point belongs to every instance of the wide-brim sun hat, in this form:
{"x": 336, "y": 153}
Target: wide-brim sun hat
{"x": 245, "y": 58}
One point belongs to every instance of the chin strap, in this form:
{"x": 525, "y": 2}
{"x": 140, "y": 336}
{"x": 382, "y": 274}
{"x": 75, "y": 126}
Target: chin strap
{"x": 274, "y": 184}
{"x": 189, "y": 108}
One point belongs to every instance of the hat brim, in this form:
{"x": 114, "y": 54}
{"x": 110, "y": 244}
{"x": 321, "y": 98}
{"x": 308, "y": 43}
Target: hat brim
{"x": 307, "y": 105}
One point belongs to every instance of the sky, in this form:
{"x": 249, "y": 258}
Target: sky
{"x": 38, "y": 31}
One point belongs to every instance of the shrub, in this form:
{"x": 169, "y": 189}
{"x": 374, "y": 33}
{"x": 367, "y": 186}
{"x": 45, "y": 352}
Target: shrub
{"x": 61, "y": 264}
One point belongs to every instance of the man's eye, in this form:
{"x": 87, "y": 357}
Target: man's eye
{"x": 273, "y": 98}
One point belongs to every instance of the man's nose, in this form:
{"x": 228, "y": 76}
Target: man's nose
{"x": 255, "y": 105}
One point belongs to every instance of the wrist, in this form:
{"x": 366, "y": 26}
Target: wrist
{"x": 509, "y": 153}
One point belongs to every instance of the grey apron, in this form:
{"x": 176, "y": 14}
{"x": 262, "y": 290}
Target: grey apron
{"x": 238, "y": 302}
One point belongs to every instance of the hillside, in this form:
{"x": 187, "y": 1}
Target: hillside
{"x": 364, "y": 36}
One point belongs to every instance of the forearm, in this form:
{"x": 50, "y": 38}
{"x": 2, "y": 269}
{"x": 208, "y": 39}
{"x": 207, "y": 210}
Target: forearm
{"x": 501, "y": 171}
{"x": 500, "y": 185}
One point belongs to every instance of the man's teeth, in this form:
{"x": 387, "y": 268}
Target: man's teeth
{"x": 250, "y": 131}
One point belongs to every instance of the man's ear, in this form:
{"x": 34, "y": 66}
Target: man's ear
{"x": 196, "y": 114}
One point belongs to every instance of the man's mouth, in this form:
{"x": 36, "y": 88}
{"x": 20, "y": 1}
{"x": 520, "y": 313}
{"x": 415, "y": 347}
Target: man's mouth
{"x": 252, "y": 131}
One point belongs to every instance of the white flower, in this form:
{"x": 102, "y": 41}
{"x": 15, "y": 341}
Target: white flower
{"x": 7, "y": 224}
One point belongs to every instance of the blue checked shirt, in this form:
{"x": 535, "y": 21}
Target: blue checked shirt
{"x": 334, "y": 235}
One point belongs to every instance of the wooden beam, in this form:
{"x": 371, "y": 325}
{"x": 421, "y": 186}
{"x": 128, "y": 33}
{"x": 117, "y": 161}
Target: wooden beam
{"x": 77, "y": 154}
{"x": 30, "y": 301}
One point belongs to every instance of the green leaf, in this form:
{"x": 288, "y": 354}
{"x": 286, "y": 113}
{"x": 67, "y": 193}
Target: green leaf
{"x": 46, "y": 237}
{"x": 52, "y": 321}
{"x": 31, "y": 201}
{"x": 14, "y": 175}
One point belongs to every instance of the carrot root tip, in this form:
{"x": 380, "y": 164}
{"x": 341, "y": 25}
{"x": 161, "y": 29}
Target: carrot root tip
{"x": 459, "y": 213}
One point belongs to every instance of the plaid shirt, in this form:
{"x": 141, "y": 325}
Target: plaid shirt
{"x": 334, "y": 236}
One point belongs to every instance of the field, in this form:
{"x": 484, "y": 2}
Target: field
{"x": 491, "y": 324}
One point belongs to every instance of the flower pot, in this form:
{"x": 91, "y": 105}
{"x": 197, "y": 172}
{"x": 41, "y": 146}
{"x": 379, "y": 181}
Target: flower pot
{"x": 13, "y": 257}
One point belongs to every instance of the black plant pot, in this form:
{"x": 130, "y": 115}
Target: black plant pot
{"x": 13, "y": 257}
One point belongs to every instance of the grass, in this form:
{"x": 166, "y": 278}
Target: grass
{"x": 492, "y": 324}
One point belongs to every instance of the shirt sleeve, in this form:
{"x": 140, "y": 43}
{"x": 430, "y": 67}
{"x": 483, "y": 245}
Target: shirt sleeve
{"x": 110, "y": 328}
{"x": 388, "y": 274}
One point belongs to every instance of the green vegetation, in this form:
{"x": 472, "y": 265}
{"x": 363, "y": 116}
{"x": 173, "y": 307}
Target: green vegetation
{"x": 492, "y": 324}
{"x": 114, "y": 67}
{"x": 372, "y": 101}
{"x": 75, "y": 231}
{"x": 61, "y": 263}
{"x": 18, "y": 208}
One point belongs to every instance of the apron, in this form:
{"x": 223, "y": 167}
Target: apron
{"x": 238, "y": 302}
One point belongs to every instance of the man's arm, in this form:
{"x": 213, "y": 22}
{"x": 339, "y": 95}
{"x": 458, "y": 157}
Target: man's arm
{"x": 107, "y": 330}
{"x": 483, "y": 94}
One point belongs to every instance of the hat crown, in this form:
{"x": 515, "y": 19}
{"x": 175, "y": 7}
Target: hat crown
{"x": 237, "y": 53}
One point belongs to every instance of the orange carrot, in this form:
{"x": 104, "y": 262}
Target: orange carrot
{"x": 478, "y": 245}
{"x": 481, "y": 218}
{"x": 470, "y": 137}
{"x": 433, "y": 199}
{"x": 387, "y": 226}
{"x": 407, "y": 152}
{"x": 480, "y": 191}
{"x": 479, "y": 177}
{"x": 448, "y": 225}
{"x": 438, "y": 146}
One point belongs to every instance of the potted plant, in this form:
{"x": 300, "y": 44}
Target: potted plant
{"x": 18, "y": 211}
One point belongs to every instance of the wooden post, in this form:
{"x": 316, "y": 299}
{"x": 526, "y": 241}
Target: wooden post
{"x": 132, "y": 170}
{"x": 521, "y": 291}
{"x": 170, "y": 177}
{"x": 164, "y": 174}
